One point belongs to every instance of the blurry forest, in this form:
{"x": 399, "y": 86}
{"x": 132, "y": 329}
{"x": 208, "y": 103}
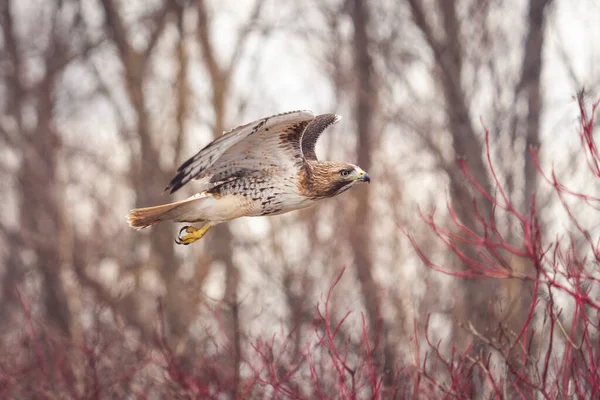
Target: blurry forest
{"x": 101, "y": 100}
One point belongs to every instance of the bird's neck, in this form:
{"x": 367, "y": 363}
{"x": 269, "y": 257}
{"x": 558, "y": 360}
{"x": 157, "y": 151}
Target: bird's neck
{"x": 314, "y": 180}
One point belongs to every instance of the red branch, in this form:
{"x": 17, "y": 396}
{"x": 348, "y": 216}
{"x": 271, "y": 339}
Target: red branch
{"x": 559, "y": 266}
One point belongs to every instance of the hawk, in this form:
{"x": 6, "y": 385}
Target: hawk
{"x": 265, "y": 167}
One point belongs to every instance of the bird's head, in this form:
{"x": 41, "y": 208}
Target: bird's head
{"x": 328, "y": 178}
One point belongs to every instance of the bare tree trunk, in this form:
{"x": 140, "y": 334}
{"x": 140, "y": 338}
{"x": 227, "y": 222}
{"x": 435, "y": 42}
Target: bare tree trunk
{"x": 480, "y": 295}
{"x": 41, "y": 209}
{"x": 519, "y": 293}
{"x": 15, "y": 92}
{"x": 220, "y": 240}
{"x": 366, "y": 98}
{"x": 530, "y": 82}
{"x": 147, "y": 175}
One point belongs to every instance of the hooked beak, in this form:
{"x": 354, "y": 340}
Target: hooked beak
{"x": 363, "y": 176}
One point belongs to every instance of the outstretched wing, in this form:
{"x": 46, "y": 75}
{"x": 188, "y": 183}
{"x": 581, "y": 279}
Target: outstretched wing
{"x": 313, "y": 131}
{"x": 271, "y": 142}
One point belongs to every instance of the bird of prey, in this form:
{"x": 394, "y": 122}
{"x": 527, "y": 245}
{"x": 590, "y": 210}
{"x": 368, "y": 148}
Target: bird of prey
{"x": 265, "y": 167}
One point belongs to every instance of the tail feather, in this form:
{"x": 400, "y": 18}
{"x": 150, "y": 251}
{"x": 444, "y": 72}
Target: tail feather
{"x": 140, "y": 218}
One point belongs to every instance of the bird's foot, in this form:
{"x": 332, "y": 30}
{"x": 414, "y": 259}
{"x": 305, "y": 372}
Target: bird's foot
{"x": 193, "y": 234}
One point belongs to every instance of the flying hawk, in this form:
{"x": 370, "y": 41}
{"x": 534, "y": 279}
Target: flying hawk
{"x": 266, "y": 167}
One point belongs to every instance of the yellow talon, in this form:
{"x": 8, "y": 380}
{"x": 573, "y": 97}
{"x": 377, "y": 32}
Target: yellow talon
{"x": 193, "y": 234}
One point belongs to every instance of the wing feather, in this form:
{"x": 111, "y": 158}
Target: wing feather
{"x": 313, "y": 131}
{"x": 273, "y": 140}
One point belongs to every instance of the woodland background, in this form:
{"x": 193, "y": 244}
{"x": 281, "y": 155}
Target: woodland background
{"x": 367, "y": 295}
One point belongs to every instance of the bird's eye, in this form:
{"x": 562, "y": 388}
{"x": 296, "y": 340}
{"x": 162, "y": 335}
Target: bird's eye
{"x": 344, "y": 173}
